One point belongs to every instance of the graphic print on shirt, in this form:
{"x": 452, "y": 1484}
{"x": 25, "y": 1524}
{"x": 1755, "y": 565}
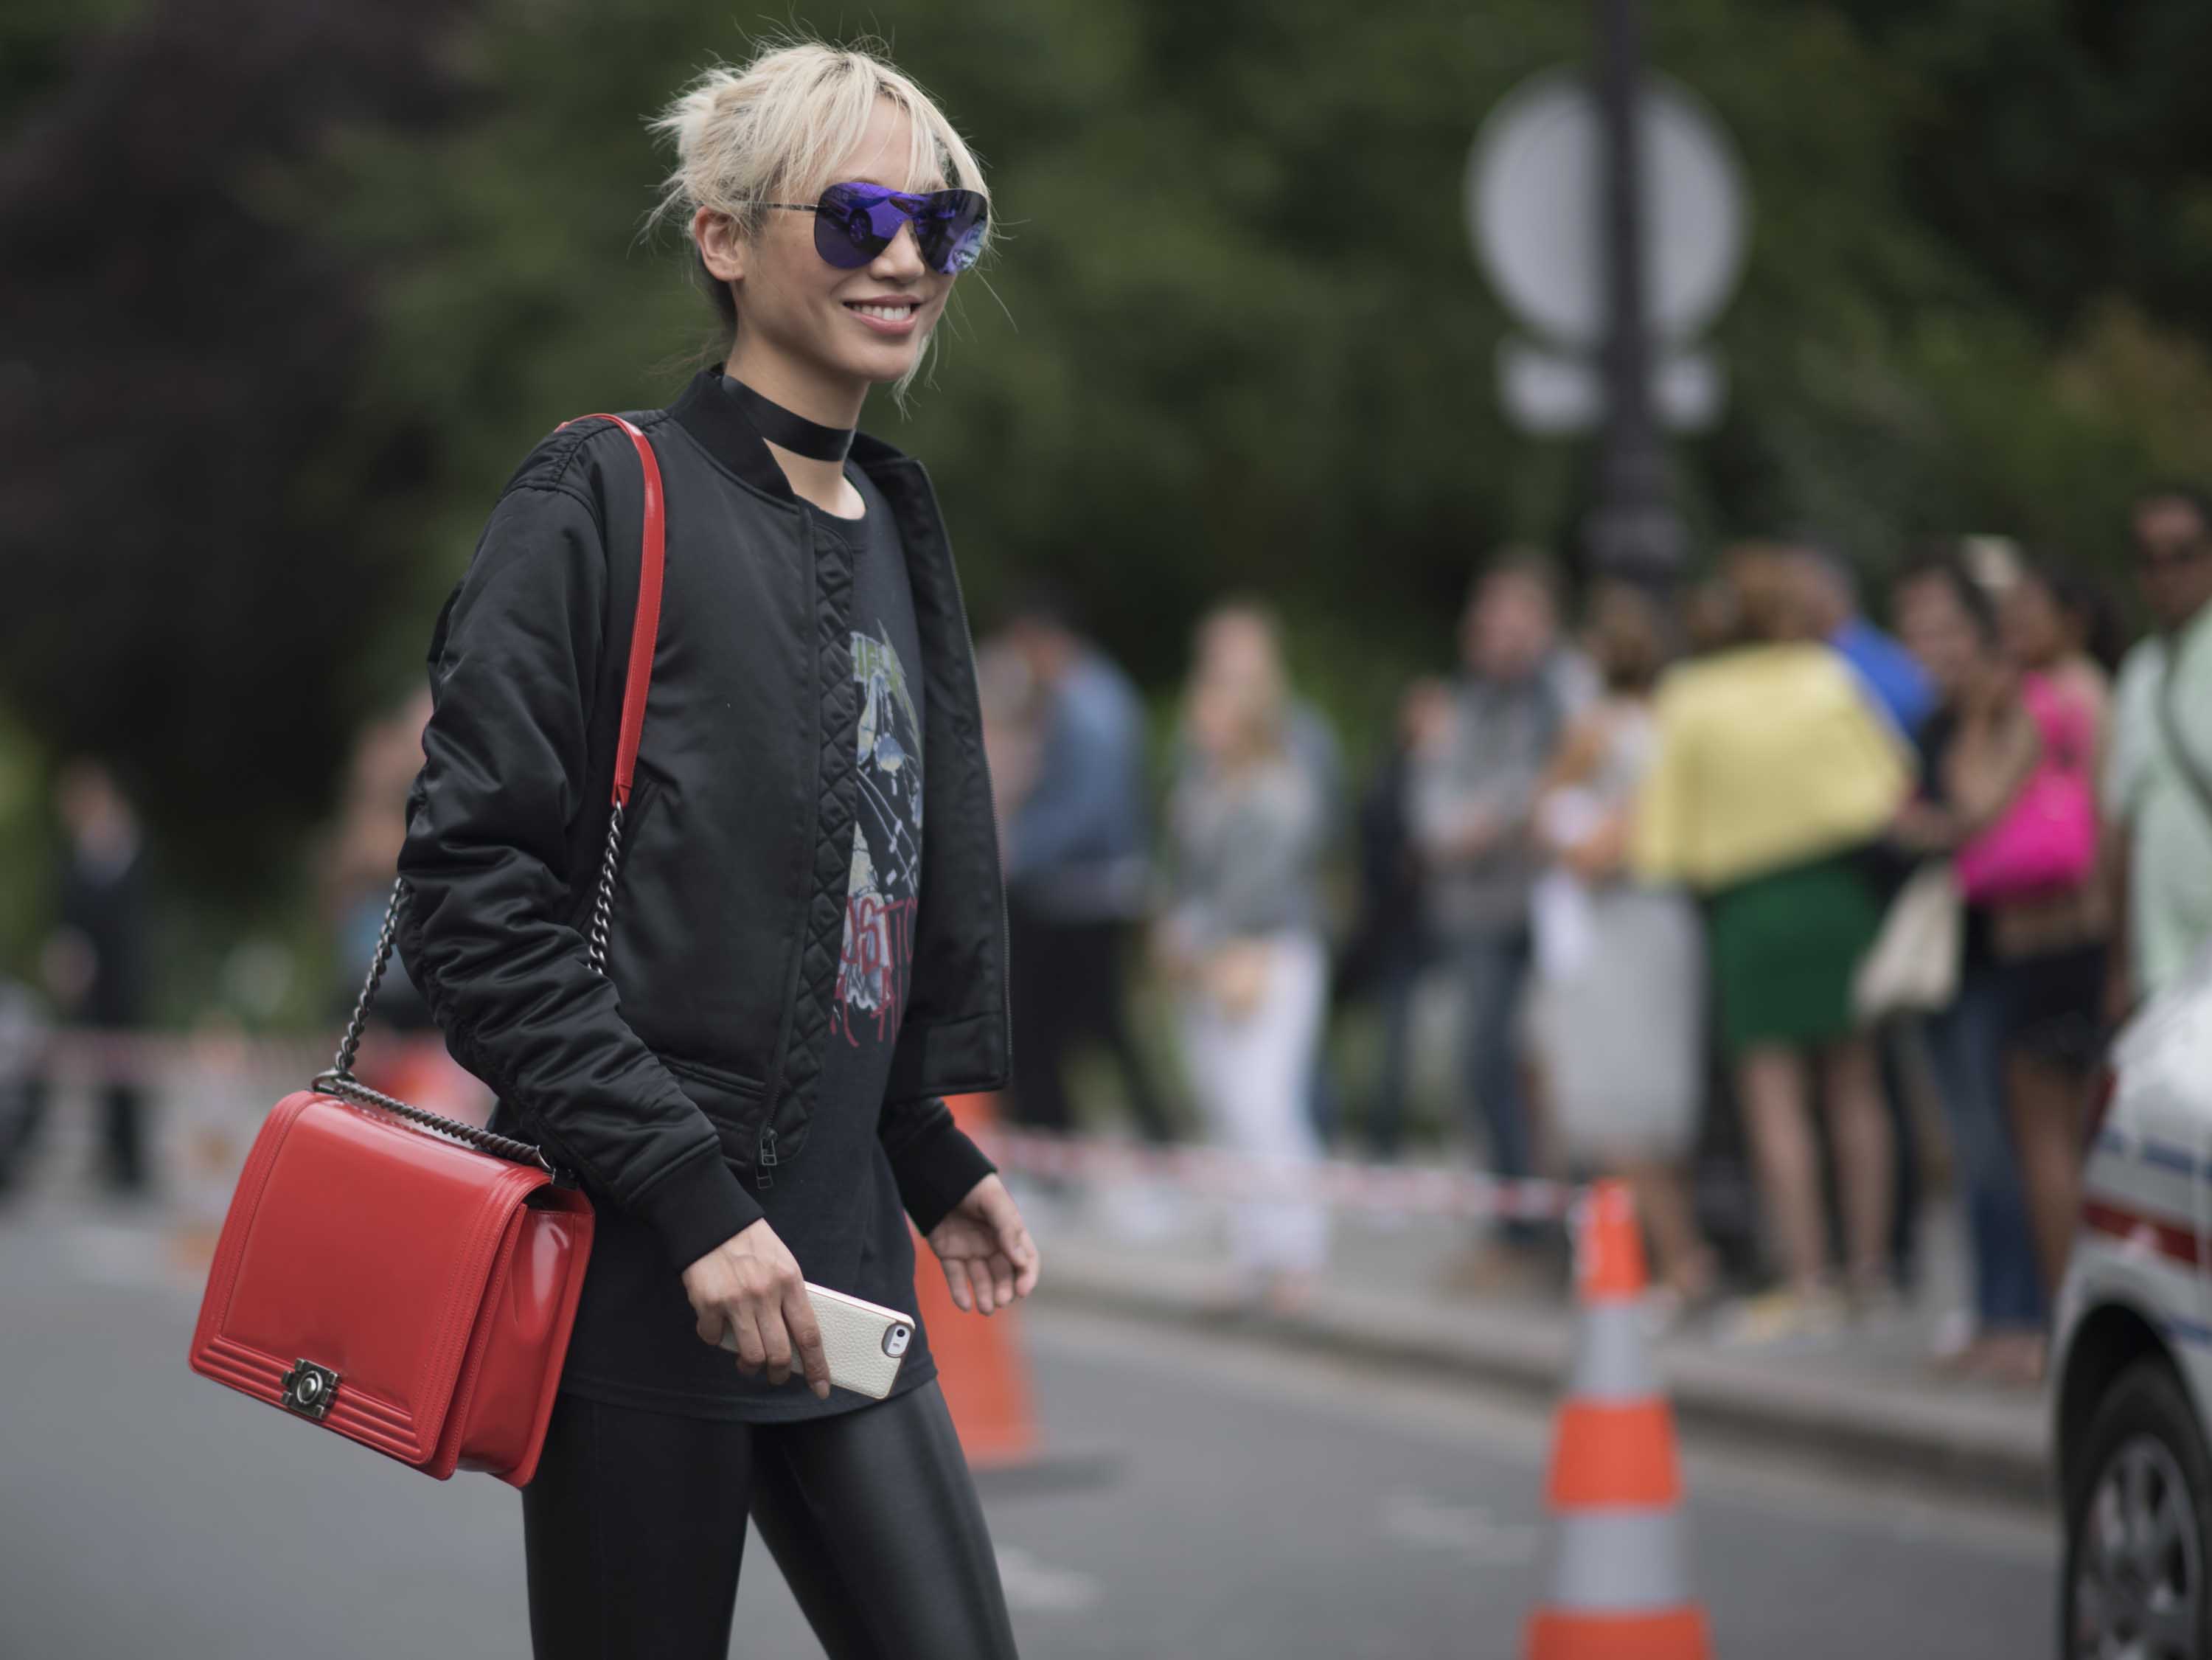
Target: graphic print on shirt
{"x": 885, "y": 888}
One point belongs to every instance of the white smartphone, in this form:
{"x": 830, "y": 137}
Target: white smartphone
{"x": 865, "y": 1342}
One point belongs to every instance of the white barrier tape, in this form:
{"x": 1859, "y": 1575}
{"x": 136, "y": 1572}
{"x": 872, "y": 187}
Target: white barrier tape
{"x": 83, "y": 1055}
{"x": 145, "y": 1057}
{"x": 87, "y": 1055}
{"x": 1340, "y": 1183}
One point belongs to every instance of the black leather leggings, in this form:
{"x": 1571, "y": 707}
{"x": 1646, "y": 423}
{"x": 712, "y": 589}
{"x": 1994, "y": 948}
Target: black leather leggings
{"x": 634, "y": 1526}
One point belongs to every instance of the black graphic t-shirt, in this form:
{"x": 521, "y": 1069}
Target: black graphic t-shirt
{"x": 885, "y": 888}
{"x": 836, "y": 1205}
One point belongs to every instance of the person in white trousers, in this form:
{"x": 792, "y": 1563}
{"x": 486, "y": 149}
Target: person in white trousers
{"x": 1242, "y": 940}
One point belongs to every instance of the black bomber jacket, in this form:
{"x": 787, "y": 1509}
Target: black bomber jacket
{"x": 678, "y": 1082}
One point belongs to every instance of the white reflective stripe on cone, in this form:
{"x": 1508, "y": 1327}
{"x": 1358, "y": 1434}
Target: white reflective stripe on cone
{"x": 1612, "y": 1362}
{"x": 1620, "y": 1561}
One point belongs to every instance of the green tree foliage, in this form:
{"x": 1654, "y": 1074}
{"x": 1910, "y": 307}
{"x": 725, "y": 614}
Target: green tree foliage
{"x": 190, "y": 537}
{"x": 351, "y": 266}
{"x": 1977, "y": 295}
{"x": 1234, "y": 339}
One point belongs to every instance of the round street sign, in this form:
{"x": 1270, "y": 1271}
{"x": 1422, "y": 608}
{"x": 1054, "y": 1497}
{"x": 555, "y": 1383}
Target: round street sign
{"x": 1553, "y": 394}
{"x": 1534, "y": 204}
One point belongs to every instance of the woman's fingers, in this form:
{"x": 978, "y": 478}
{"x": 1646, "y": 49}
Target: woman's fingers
{"x": 775, "y": 1339}
{"x": 1021, "y": 1260}
{"x": 1027, "y": 1278}
{"x": 955, "y": 1281}
{"x": 751, "y": 1353}
{"x": 806, "y": 1338}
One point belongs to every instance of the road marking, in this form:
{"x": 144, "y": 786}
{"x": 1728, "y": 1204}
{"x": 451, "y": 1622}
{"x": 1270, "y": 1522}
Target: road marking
{"x": 1414, "y": 1518}
{"x": 1032, "y": 1587}
{"x": 128, "y": 1258}
{"x": 1791, "y": 1488}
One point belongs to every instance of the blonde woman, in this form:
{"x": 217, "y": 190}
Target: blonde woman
{"x": 1243, "y": 941}
{"x": 1773, "y": 772}
{"x": 753, "y": 1096}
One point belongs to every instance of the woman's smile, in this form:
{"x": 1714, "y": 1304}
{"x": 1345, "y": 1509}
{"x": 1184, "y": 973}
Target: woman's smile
{"x": 890, "y": 317}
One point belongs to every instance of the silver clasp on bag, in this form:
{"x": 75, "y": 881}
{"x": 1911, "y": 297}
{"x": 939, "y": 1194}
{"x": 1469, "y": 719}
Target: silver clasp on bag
{"x": 308, "y": 1389}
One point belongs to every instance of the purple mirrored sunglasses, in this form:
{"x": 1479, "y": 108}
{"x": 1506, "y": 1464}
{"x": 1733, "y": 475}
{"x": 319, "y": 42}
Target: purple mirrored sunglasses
{"x": 855, "y": 223}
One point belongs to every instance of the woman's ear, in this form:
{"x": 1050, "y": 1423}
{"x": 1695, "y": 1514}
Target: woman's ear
{"x": 721, "y": 250}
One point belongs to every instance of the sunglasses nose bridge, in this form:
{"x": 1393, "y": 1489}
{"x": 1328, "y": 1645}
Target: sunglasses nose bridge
{"x": 905, "y": 230}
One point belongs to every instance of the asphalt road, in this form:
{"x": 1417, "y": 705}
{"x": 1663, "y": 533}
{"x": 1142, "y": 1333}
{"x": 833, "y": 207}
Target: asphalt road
{"x": 1261, "y": 1506}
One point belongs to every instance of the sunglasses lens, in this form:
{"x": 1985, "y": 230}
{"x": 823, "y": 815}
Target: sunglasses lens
{"x": 853, "y": 223}
{"x": 845, "y": 231}
{"x": 950, "y": 229}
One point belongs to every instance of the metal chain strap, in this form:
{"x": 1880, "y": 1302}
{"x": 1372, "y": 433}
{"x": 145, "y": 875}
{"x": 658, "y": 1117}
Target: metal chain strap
{"x": 602, "y": 906}
{"x": 521, "y": 1153}
{"x": 350, "y": 1045}
{"x": 340, "y": 1080}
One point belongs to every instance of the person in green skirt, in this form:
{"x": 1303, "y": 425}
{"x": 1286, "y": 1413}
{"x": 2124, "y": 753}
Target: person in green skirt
{"x": 1773, "y": 772}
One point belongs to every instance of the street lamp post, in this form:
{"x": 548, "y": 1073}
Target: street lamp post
{"x": 1633, "y": 530}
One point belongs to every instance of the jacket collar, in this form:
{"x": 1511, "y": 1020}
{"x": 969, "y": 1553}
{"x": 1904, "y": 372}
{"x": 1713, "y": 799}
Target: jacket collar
{"x": 720, "y": 425}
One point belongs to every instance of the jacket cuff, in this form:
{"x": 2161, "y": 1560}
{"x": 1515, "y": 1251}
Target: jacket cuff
{"x": 697, "y": 1205}
{"x": 936, "y": 1170}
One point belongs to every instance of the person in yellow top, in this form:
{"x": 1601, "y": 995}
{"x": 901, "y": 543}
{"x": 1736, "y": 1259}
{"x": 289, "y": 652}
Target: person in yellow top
{"x": 1773, "y": 771}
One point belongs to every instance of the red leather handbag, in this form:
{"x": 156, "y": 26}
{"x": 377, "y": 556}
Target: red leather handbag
{"x": 405, "y": 1280}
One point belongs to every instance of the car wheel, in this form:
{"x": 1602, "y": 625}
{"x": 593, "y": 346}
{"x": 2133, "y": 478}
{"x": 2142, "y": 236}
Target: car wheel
{"x": 2136, "y": 1524}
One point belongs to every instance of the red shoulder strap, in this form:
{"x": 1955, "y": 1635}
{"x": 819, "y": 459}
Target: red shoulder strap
{"x": 646, "y": 628}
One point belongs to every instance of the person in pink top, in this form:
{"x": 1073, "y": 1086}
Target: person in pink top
{"x": 2053, "y": 946}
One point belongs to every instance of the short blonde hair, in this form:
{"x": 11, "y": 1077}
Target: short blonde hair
{"x": 773, "y": 129}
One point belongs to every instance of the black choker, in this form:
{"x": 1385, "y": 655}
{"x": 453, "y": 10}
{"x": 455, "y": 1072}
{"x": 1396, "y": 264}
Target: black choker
{"x": 788, "y": 431}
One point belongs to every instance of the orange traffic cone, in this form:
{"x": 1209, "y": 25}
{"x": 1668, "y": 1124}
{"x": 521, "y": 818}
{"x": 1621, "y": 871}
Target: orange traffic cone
{"x": 986, "y": 1380}
{"x": 1620, "y": 1586}
{"x": 979, "y": 1360}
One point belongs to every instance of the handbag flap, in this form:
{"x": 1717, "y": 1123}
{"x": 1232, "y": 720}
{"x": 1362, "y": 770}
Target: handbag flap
{"x": 365, "y": 1248}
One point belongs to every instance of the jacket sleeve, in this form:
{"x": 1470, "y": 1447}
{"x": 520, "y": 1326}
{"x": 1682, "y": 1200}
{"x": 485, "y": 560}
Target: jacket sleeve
{"x": 515, "y": 665}
{"x": 933, "y": 1160}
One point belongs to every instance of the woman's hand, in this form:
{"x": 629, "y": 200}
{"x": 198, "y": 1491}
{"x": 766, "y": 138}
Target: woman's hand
{"x": 989, "y": 1257}
{"x": 1599, "y": 857}
{"x": 1174, "y": 954}
{"x": 751, "y": 1284}
{"x": 1236, "y": 975}
{"x": 1475, "y": 831}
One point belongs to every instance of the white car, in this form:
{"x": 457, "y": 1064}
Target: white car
{"x": 2133, "y": 1360}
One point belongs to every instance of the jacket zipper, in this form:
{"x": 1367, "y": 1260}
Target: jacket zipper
{"x": 767, "y": 1155}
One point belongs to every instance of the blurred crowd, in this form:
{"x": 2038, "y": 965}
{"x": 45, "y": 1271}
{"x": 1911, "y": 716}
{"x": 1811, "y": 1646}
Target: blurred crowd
{"x": 1740, "y": 852}
{"x": 1761, "y": 869}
